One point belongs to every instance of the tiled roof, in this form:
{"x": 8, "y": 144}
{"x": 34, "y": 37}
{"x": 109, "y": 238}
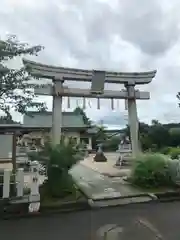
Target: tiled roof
{"x": 44, "y": 119}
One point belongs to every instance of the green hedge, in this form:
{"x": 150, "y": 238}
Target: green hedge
{"x": 174, "y": 153}
{"x": 151, "y": 170}
{"x": 166, "y": 150}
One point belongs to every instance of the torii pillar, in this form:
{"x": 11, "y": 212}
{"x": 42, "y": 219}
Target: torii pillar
{"x": 133, "y": 119}
{"x": 57, "y": 113}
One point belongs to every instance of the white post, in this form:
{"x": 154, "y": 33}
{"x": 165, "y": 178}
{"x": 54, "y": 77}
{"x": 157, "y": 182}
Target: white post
{"x": 133, "y": 120}
{"x": 57, "y": 114}
{"x": 78, "y": 140}
{"x": 66, "y": 140}
{"x": 90, "y": 143}
{"x": 20, "y": 182}
{"x": 42, "y": 140}
{"x": 6, "y": 183}
{"x": 34, "y": 197}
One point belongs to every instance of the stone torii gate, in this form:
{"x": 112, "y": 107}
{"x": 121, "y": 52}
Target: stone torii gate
{"x": 97, "y": 78}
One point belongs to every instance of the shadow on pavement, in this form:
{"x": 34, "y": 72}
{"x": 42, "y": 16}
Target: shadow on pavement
{"x": 136, "y": 222}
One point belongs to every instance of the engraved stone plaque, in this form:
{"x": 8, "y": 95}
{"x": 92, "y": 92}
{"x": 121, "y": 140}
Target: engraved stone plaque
{"x": 98, "y": 79}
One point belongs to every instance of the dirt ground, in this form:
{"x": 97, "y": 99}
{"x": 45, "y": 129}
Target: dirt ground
{"x": 106, "y": 168}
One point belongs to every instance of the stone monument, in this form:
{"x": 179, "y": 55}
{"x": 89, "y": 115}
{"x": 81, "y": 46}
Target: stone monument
{"x": 125, "y": 152}
{"x": 100, "y": 157}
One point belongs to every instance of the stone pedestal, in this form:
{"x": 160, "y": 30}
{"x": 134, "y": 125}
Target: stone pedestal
{"x": 125, "y": 155}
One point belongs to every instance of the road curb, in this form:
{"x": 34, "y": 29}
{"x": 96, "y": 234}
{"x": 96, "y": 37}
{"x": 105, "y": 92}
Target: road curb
{"x": 168, "y": 196}
{"x": 136, "y": 199}
{"x": 125, "y": 200}
{"x": 46, "y": 210}
{"x": 91, "y": 204}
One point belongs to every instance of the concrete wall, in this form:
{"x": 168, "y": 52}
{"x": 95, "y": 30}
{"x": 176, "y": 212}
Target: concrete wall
{"x": 5, "y": 146}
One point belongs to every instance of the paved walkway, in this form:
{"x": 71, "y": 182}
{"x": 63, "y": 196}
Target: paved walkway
{"x": 97, "y": 186}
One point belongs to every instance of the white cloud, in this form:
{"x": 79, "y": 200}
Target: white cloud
{"x": 110, "y": 34}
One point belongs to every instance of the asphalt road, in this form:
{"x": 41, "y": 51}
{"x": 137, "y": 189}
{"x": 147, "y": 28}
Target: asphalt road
{"x": 137, "y": 222}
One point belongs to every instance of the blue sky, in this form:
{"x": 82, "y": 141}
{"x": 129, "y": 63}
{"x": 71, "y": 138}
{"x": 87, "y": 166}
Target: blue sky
{"x": 121, "y": 35}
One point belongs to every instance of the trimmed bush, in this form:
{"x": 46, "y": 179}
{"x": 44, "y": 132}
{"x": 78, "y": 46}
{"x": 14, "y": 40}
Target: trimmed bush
{"x": 166, "y": 150}
{"x": 58, "y": 160}
{"x": 151, "y": 170}
{"x": 174, "y": 153}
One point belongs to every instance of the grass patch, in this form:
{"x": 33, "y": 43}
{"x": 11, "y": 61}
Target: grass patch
{"x": 55, "y": 202}
{"x": 151, "y": 189}
{"x": 157, "y": 189}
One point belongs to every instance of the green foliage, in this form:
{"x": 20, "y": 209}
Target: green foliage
{"x": 101, "y": 135}
{"x": 42, "y": 155}
{"x": 165, "y": 150}
{"x": 175, "y": 136}
{"x": 58, "y": 160}
{"x": 174, "y": 153}
{"x": 80, "y": 111}
{"x": 7, "y": 120}
{"x": 61, "y": 159}
{"x": 157, "y": 136}
{"x": 14, "y": 92}
{"x": 111, "y": 144}
{"x": 151, "y": 170}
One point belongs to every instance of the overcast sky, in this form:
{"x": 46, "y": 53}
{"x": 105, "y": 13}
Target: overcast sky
{"x": 121, "y": 35}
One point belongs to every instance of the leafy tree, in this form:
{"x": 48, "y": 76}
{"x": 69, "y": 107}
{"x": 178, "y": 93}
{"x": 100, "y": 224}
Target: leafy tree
{"x": 175, "y": 136}
{"x": 159, "y": 135}
{"x": 178, "y": 97}
{"x": 101, "y": 136}
{"x": 112, "y": 143}
{"x": 14, "y": 92}
{"x": 155, "y": 122}
{"x": 7, "y": 120}
{"x": 80, "y": 111}
{"x": 156, "y": 135}
{"x": 58, "y": 160}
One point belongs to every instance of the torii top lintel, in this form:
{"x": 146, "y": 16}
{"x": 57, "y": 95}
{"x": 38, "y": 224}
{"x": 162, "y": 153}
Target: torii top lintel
{"x": 61, "y": 73}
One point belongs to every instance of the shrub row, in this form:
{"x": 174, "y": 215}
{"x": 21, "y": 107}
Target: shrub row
{"x": 154, "y": 170}
{"x": 173, "y": 152}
